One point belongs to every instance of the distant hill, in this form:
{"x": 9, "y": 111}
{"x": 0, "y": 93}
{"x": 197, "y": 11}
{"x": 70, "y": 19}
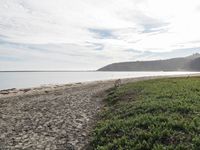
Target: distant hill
{"x": 190, "y": 63}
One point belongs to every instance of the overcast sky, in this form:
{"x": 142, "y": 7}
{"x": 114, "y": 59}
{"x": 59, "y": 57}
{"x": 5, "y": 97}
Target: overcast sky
{"x": 88, "y": 34}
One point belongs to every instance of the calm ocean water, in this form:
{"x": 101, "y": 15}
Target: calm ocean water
{"x": 34, "y": 79}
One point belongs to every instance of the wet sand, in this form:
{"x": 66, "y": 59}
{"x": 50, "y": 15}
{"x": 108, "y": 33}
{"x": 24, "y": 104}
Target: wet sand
{"x": 54, "y": 117}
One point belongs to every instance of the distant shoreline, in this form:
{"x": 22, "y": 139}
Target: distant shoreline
{"x": 87, "y": 71}
{"x": 49, "y": 71}
{"x": 51, "y": 87}
{"x": 35, "y": 78}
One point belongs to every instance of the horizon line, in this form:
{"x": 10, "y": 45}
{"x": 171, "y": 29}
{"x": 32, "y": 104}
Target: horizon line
{"x": 47, "y": 70}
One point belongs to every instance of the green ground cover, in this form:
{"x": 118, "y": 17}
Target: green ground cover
{"x": 159, "y": 114}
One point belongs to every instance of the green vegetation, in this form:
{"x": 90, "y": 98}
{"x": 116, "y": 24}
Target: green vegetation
{"x": 161, "y": 114}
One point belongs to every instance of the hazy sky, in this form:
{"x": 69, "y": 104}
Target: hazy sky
{"x": 88, "y": 34}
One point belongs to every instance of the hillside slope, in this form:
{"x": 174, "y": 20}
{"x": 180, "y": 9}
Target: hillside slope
{"x": 190, "y": 63}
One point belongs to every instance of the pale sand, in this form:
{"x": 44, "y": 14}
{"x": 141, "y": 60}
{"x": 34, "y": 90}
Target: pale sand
{"x": 54, "y": 117}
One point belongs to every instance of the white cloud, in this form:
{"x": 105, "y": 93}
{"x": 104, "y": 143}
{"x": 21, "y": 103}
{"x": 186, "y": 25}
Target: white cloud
{"x": 88, "y": 34}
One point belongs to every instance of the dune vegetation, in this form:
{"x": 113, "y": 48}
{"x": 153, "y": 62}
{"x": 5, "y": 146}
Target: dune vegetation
{"x": 159, "y": 114}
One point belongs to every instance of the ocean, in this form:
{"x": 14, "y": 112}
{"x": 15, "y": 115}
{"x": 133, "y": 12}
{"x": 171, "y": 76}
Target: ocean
{"x": 18, "y": 80}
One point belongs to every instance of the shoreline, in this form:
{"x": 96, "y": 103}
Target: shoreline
{"x": 25, "y": 80}
{"x": 50, "y": 87}
{"x": 55, "y": 117}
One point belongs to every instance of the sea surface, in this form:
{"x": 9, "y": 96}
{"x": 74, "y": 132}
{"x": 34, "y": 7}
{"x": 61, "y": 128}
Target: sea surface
{"x": 18, "y": 80}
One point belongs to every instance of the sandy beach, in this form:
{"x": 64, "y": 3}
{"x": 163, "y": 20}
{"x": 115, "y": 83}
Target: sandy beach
{"x": 54, "y": 117}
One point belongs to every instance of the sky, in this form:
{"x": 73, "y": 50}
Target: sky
{"x": 88, "y": 34}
